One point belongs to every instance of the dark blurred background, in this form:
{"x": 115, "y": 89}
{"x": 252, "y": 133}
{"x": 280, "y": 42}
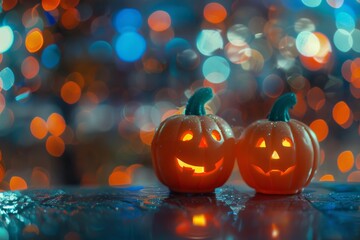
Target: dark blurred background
{"x": 84, "y": 84}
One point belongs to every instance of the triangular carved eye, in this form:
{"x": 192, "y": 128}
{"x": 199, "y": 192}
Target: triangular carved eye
{"x": 286, "y": 142}
{"x": 261, "y": 143}
{"x": 187, "y": 136}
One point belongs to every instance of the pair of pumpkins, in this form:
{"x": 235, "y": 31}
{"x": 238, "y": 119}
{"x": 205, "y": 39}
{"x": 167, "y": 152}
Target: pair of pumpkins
{"x": 196, "y": 152}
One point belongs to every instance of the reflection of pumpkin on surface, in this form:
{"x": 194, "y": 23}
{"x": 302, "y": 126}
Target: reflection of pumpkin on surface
{"x": 277, "y": 217}
{"x": 194, "y": 152}
{"x": 278, "y": 155}
{"x": 192, "y": 217}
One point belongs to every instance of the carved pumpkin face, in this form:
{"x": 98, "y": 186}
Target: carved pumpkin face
{"x": 278, "y": 157}
{"x": 193, "y": 152}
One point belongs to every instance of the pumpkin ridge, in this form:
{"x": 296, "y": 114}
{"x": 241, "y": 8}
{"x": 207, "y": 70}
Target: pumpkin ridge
{"x": 316, "y": 156}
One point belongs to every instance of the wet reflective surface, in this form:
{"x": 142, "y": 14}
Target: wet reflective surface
{"x": 322, "y": 211}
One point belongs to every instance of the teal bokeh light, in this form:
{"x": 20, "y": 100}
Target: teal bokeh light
{"x": 7, "y": 38}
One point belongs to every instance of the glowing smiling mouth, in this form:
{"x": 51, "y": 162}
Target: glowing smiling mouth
{"x": 199, "y": 169}
{"x": 273, "y": 171}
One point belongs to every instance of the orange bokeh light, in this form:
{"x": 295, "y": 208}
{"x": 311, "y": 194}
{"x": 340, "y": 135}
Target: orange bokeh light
{"x": 70, "y": 92}
{"x": 56, "y": 124}
{"x": 316, "y": 98}
{"x": 70, "y": 18}
{"x": 159, "y": 21}
{"x": 118, "y": 178}
{"x": 345, "y": 161}
{"x": 327, "y": 178}
{"x": 2, "y": 172}
{"x": 321, "y": 129}
{"x": 8, "y": 4}
{"x": 39, "y": 178}
{"x": 17, "y": 183}
{"x": 147, "y": 136}
{"x": 55, "y": 146}
{"x": 49, "y": 5}
{"x": 30, "y": 67}
{"x": 66, "y": 4}
{"x": 38, "y": 128}
{"x": 354, "y": 176}
{"x": 341, "y": 113}
{"x": 34, "y": 40}
{"x": 214, "y": 12}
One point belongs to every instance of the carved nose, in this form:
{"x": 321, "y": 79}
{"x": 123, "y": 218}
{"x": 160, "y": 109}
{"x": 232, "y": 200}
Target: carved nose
{"x": 275, "y": 155}
{"x": 203, "y": 143}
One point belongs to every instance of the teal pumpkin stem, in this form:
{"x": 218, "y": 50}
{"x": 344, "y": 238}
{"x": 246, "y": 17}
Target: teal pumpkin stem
{"x": 280, "y": 109}
{"x": 196, "y": 103}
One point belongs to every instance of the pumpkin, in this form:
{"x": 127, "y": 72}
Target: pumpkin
{"x": 278, "y": 155}
{"x": 194, "y": 152}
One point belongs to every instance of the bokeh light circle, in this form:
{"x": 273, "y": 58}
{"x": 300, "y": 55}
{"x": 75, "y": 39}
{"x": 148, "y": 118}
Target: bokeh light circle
{"x": 312, "y": 3}
{"x": 321, "y": 129}
{"x": 159, "y": 21}
{"x": 343, "y": 40}
{"x": 214, "y": 12}
{"x": 237, "y": 54}
{"x": 130, "y": 46}
{"x": 307, "y": 44}
{"x": 209, "y": 41}
{"x": 50, "y": 56}
{"x": 238, "y": 34}
{"x": 128, "y": 19}
{"x": 7, "y": 38}
{"x": 7, "y": 78}
{"x": 216, "y": 69}
{"x": 273, "y": 86}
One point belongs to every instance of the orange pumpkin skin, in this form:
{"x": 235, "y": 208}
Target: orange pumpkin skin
{"x": 193, "y": 153}
{"x": 278, "y": 157}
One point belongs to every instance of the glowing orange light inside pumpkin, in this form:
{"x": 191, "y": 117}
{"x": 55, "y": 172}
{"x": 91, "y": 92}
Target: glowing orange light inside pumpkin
{"x": 275, "y": 155}
{"x": 216, "y": 135}
{"x": 203, "y": 143}
{"x": 187, "y": 136}
{"x": 261, "y": 143}
{"x": 197, "y": 169}
{"x": 286, "y": 142}
{"x": 199, "y": 220}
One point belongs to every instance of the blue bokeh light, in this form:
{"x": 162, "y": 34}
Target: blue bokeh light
{"x": 50, "y": 57}
{"x": 7, "y": 78}
{"x": 130, "y": 46}
{"x": 128, "y": 19}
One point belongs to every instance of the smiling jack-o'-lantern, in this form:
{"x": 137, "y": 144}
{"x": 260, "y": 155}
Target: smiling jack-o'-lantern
{"x": 278, "y": 155}
{"x": 193, "y": 152}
